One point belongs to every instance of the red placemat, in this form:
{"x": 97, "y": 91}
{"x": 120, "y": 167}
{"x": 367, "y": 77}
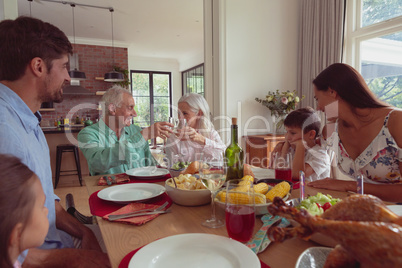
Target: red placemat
{"x": 101, "y": 207}
{"x": 126, "y": 260}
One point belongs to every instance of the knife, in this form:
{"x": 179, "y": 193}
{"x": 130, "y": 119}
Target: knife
{"x": 134, "y": 213}
{"x": 117, "y": 217}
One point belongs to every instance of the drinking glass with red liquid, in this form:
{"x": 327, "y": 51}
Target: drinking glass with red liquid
{"x": 282, "y": 166}
{"x": 240, "y": 210}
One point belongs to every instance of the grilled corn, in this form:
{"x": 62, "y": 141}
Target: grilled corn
{"x": 281, "y": 190}
{"x": 241, "y": 198}
{"x": 248, "y": 178}
{"x": 261, "y": 188}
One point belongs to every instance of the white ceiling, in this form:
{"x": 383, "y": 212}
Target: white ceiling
{"x": 167, "y": 29}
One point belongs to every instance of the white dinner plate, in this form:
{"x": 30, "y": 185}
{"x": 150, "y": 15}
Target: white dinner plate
{"x": 127, "y": 193}
{"x": 147, "y": 172}
{"x": 397, "y": 209}
{"x": 195, "y": 250}
{"x": 313, "y": 257}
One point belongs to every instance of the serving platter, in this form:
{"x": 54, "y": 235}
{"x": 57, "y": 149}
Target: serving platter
{"x": 150, "y": 172}
{"x": 132, "y": 192}
{"x": 195, "y": 250}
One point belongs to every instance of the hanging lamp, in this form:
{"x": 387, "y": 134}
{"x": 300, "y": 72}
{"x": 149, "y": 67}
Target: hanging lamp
{"x": 76, "y": 74}
{"x": 113, "y": 76}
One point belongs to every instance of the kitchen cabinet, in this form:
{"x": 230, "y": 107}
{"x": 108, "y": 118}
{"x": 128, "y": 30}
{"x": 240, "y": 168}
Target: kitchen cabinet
{"x": 259, "y": 148}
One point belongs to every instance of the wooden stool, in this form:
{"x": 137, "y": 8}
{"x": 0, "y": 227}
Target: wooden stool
{"x": 62, "y": 148}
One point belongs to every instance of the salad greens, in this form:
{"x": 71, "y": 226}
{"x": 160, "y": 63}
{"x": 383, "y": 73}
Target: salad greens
{"x": 317, "y": 204}
{"x": 180, "y": 165}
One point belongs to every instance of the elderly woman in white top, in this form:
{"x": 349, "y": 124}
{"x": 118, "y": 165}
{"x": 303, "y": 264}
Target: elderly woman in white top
{"x": 199, "y": 136}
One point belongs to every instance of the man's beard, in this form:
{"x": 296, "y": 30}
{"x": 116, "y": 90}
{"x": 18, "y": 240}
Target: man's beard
{"x": 56, "y": 97}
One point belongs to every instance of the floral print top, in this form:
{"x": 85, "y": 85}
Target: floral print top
{"x": 378, "y": 163}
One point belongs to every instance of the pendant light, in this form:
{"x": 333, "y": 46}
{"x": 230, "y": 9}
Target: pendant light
{"x": 113, "y": 76}
{"x": 75, "y": 74}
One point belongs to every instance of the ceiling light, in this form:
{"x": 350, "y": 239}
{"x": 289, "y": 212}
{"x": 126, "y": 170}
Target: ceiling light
{"x": 76, "y": 74}
{"x": 113, "y": 76}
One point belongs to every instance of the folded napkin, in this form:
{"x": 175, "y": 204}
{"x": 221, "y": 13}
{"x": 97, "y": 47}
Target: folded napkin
{"x": 99, "y": 207}
{"x": 126, "y": 260}
{"x": 113, "y": 179}
{"x": 139, "y": 220}
{"x": 124, "y": 178}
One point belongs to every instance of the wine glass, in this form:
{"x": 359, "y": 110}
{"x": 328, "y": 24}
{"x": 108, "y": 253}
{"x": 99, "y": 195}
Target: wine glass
{"x": 240, "y": 209}
{"x": 212, "y": 173}
{"x": 174, "y": 122}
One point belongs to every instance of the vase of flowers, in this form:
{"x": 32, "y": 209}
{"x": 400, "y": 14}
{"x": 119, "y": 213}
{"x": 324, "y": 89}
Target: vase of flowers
{"x": 280, "y": 104}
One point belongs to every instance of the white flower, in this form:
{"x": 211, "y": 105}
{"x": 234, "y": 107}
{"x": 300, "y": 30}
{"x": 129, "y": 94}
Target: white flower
{"x": 284, "y": 100}
{"x": 270, "y": 98}
{"x": 297, "y": 99}
{"x": 290, "y": 98}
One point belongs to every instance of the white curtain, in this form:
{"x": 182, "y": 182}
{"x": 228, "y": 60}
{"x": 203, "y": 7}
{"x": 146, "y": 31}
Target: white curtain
{"x": 320, "y": 42}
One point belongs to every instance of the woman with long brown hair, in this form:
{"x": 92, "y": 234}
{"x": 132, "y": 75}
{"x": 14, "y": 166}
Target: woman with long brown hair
{"x": 364, "y": 132}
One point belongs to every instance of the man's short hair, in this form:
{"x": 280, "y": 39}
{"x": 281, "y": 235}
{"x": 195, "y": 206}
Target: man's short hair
{"x": 114, "y": 95}
{"x": 25, "y": 38}
{"x": 304, "y": 118}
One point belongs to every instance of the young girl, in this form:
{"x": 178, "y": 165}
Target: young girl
{"x": 24, "y": 222}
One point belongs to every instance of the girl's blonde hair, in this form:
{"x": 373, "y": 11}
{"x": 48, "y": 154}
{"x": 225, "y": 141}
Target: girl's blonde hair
{"x": 198, "y": 103}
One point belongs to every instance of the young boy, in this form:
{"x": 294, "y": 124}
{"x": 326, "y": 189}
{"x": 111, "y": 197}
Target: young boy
{"x": 302, "y": 128}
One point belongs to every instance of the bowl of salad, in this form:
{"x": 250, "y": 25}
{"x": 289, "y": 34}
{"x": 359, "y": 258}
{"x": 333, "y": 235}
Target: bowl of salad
{"x": 316, "y": 205}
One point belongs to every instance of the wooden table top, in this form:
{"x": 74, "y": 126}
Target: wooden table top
{"x": 120, "y": 239}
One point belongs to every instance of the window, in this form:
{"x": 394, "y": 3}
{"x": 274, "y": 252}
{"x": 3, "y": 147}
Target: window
{"x": 374, "y": 45}
{"x": 193, "y": 80}
{"x": 152, "y": 95}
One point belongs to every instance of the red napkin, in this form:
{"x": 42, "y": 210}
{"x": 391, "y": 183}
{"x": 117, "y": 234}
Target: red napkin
{"x": 132, "y": 208}
{"x": 126, "y": 260}
{"x": 99, "y": 207}
{"x": 113, "y": 179}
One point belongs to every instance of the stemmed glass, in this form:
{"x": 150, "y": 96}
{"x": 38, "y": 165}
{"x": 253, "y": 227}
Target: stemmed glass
{"x": 213, "y": 175}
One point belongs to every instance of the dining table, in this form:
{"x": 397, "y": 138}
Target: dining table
{"x": 120, "y": 239}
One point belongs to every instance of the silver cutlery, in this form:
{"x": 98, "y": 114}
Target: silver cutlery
{"x": 117, "y": 217}
{"x": 138, "y": 212}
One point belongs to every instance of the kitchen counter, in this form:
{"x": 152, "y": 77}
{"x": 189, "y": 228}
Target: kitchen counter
{"x": 55, "y": 130}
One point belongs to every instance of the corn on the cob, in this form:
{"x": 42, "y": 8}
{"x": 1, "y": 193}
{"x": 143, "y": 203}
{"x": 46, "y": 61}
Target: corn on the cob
{"x": 242, "y": 198}
{"x": 261, "y": 188}
{"x": 248, "y": 178}
{"x": 281, "y": 190}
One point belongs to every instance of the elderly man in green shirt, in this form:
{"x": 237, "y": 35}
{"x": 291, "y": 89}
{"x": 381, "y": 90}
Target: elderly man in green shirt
{"x": 114, "y": 145}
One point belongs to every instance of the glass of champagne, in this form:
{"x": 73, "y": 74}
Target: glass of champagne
{"x": 213, "y": 175}
{"x": 240, "y": 210}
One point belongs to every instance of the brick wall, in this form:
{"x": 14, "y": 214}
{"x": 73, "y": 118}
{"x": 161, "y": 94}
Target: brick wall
{"x": 95, "y": 61}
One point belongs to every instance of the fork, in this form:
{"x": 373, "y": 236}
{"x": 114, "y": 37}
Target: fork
{"x": 134, "y": 213}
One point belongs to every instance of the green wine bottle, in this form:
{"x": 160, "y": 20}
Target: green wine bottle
{"x": 234, "y": 155}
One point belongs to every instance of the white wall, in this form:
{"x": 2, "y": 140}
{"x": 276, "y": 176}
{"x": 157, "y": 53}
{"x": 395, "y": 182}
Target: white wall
{"x": 260, "y": 44}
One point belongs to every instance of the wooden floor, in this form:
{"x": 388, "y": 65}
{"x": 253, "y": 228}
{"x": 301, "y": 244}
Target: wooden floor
{"x": 70, "y": 184}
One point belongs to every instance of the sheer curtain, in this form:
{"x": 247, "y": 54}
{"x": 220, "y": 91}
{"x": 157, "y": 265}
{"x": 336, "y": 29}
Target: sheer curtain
{"x": 320, "y": 41}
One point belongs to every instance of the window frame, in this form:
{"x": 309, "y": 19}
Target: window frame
{"x": 151, "y": 90}
{"x": 355, "y": 34}
{"x": 184, "y": 82}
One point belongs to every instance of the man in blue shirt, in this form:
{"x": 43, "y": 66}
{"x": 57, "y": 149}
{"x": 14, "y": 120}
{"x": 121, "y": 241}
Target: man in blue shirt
{"x": 33, "y": 70}
{"x": 114, "y": 145}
